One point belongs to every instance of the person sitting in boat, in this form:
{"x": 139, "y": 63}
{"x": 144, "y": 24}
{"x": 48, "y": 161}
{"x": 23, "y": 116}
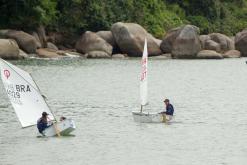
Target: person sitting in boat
{"x": 62, "y": 118}
{"x": 42, "y": 123}
{"x": 169, "y": 110}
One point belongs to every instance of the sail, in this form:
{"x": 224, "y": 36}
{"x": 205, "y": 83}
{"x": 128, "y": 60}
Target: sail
{"x": 143, "y": 83}
{"x": 23, "y": 94}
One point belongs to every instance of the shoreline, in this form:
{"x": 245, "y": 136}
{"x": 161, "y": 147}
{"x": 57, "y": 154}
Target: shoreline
{"x": 122, "y": 41}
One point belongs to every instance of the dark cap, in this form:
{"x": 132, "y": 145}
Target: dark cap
{"x": 44, "y": 114}
{"x": 166, "y": 100}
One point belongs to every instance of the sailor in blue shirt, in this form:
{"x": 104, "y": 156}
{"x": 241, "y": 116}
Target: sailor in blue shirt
{"x": 169, "y": 110}
{"x": 42, "y": 123}
{"x": 169, "y": 107}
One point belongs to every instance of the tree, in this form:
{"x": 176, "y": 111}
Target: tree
{"x": 26, "y": 14}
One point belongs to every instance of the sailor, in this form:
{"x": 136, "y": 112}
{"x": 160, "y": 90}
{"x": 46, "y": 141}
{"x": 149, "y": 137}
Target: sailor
{"x": 62, "y": 118}
{"x": 42, "y": 123}
{"x": 168, "y": 113}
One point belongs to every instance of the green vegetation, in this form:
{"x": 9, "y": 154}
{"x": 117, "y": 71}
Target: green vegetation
{"x": 157, "y": 16}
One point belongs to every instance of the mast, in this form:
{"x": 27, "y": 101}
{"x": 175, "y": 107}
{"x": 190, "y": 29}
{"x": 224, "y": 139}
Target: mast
{"x": 44, "y": 99}
{"x": 54, "y": 124}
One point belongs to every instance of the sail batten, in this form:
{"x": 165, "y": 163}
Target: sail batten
{"x": 143, "y": 79}
{"x": 23, "y": 94}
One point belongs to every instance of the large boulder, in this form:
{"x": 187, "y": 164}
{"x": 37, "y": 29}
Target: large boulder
{"x": 92, "y": 42}
{"x": 212, "y": 45}
{"x": 241, "y": 42}
{"x": 232, "y": 54}
{"x": 224, "y": 41}
{"x": 63, "y": 41}
{"x": 209, "y": 54}
{"x": 167, "y": 42}
{"x": 108, "y": 37}
{"x": 203, "y": 39}
{"x": 130, "y": 39}
{"x": 9, "y": 49}
{"x": 187, "y": 43}
{"x": 25, "y": 41}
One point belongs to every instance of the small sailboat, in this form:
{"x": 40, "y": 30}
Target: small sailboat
{"x": 140, "y": 116}
{"x": 28, "y": 102}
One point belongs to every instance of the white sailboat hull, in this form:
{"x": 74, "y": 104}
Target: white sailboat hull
{"x": 64, "y": 127}
{"x": 146, "y": 117}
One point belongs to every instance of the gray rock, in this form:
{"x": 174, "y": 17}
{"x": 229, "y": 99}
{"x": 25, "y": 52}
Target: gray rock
{"x": 23, "y": 54}
{"x": 9, "y": 49}
{"x": 25, "y": 41}
{"x": 203, "y": 39}
{"x": 232, "y": 54}
{"x": 90, "y": 42}
{"x": 224, "y": 41}
{"x": 63, "y": 41}
{"x": 167, "y": 42}
{"x": 97, "y": 54}
{"x": 212, "y": 45}
{"x": 130, "y": 39}
{"x": 51, "y": 46}
{"x": 209, "y": 54}
{"x": 187, "y": 43}
{"x": 35, "y": 35}
{"x": 241, "y": 42}
{"x": 158, "y": 41}
{"x": 108, "y": 37}
{"x": 119, "y": 56}
{"x": 42, "y": 36}
{"x": 162, "y": 57}
{"x": 47, "y": 53}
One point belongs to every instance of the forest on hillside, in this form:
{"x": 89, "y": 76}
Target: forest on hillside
{"x": 157, "y": 16}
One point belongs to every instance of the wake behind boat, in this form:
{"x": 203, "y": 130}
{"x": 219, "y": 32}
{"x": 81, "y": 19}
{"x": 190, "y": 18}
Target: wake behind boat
{"x": 146, "y": 117}
{"x": 27, "y": 101}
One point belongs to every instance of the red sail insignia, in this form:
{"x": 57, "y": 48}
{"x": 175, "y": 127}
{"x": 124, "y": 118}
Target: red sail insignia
{"x": 6, "y": 73}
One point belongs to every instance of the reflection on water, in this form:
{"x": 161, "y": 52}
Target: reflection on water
{"x": 209, "y": 97}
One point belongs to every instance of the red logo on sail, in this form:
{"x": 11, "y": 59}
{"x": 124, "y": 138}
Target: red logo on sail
{"x": 6, "y": 73}
{"x": 144, "y": 69}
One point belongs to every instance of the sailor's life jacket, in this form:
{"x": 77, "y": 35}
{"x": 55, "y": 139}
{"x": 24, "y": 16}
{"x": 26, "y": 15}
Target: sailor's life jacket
{"x": 169, "y": 110}
{"x": 42, "y": 124}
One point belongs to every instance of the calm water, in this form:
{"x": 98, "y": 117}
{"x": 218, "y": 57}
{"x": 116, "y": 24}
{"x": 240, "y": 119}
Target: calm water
{"x": 210, "y": 103}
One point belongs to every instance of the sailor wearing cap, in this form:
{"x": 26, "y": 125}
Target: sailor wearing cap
{"x": 42, "y": 123}
{"x": 168, "y": 113}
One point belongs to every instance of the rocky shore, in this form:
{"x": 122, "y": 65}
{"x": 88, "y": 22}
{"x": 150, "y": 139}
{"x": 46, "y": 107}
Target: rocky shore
{"x": 122, "y": 40}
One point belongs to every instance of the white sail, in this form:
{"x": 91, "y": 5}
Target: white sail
{"x": 24, "y": 94}
{"x": 143, "y": 83}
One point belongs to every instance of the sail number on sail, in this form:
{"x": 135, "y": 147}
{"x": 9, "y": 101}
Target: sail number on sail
{"x": 14, "y": 91}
